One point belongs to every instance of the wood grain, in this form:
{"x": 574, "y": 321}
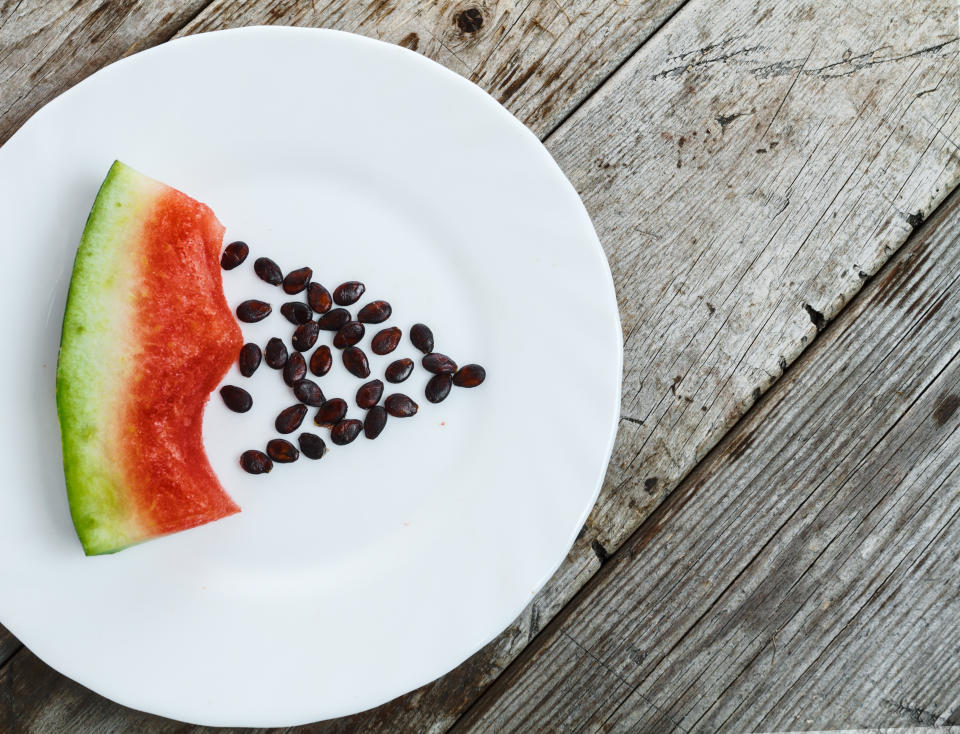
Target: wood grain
{"x": 804, "y": 576}
{"x": 539, "y": 58}
{"x": 47, "y": 47}
{"x": 8, "y": 645}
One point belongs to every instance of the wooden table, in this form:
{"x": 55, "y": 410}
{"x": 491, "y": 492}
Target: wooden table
{"x": 777, "y": 544}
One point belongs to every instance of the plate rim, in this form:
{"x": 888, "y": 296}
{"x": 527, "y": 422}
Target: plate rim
{"x": 51, "y": 107}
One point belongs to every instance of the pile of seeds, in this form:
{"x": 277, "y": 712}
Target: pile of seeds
{"x": 349, "y": 332}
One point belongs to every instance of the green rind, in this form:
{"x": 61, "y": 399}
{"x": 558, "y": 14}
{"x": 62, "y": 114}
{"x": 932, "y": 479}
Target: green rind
{"x": 92, "y": 363}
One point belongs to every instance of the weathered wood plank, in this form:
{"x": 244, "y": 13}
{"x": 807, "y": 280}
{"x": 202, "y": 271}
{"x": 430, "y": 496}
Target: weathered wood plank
{"x": 539, "y": 58}
{"x": 802, "y": 577}
{"x": 8, "y": 645}
{"x": 47, "y": 47}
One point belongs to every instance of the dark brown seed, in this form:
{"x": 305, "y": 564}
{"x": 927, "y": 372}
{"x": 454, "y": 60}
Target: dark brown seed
{"x": 331, "y": 412}
{"x": 334, "y": 320}
{"x": 266, "y": 269}
{"x": 308, "y": 392}
{"x": 386, "y": 340}
{"x": 345, "y": 431}
{"x": 398, "y": 370}
{"x": 348, "y": 293}
{"x": 350, "y": 333}
{"x": 290, "y": 418}
{"x": 439, "y": 364}
{"x": 305, "y": 336}
{"x": 250, "y": 356}
{"x": 275, "y": 355}
{"x": 251, "y": 312}
{"x": 374, "y": 421}
{"x": 296, "y": 280}
{"x": 234, "y": 254}
{"x": 321, "y": 361}
{"x": 438, "y": 388}
{"x": 296, "y": 312}
{"x": 369, "y": 394}
{"x": 400, "y": 406}
{"x": 422, "y": 337}
{"x": 255, "y": 462}
{"x": 295, "y": 369}
{"x": 356, "y": 362}
{"x": 236, "y": 398}
{"x": 319, "y": 298}
{"x": 375, "y": 312}
{"x": 470, "y": 375}
{"x": 282, "y": 451}
{"x": 312, "y": 446}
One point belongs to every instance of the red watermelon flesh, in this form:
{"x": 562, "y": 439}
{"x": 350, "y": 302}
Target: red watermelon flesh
{"x": 147, "y": 336}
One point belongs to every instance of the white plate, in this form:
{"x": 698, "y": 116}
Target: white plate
{"x": 349, "y": 581}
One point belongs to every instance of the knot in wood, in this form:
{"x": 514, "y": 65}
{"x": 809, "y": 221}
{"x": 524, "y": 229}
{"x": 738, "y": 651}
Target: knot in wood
{"x": 469, "y": 20}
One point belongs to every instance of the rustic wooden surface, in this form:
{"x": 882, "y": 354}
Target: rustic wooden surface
{"x": 47, "y": 46}
{"x": 804, "y": 576}
{"x": 747, "y": 165}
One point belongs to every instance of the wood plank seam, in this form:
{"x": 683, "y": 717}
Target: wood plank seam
{"x": 613, "y": 72}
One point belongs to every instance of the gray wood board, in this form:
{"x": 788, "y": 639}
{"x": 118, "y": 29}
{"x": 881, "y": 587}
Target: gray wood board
{"x": 539, "y": 58}
{"x": 47, "y": 46}
{"x": 804, "y": 576}
{"x": 8, "y": 645}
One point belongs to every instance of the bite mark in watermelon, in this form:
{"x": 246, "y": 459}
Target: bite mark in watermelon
{"x": 147, "y": 336}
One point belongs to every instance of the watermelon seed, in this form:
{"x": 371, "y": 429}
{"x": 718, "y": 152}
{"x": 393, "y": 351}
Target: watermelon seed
{"x": 305, "y": 336}
{"x": 267, "y": 270}
{"x": 236, "y": 398}
{"x": 438, "y": 388}
{"x": 296, "y": 312}
{"x": 253, "y": 311}
{"x": 356, "y": 362}
{"x": 290, "y": 418}
{"x": 350, "y": 333}
{"x": 345, "y": 431}
{"x": 308, "y": 393}
{"x": 321, "y": 361}
{"x": 297, "y": 280}
{"x": 422, "y": 338}
{"x": 386, "y": 340}
{"x": 331, "y": 412}
{"x": 374, "y": 421}
{"x": 439, "y": 364}
{"x": 375, "y": 312}
{"x": 275, "y": 354}
{"x": 312, "y": 446}
{"x": 255, "y": 462}
{"x": 319, "y": 298}
{"x": 398, "y": 370}
{"x": 469, "y": 375}
{"x": 234, "y": 254}
{"x": 282, "y": 451}
{"x": 348, "y": 293}
{"x": 250, "y": 356}
{"x": 369, "y": 394}
{"x": 334, "y": 320}
{"x": 400, "y": 406}
{"x": 295, "y": 369}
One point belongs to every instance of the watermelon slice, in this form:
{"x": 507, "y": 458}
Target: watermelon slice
{"x": 147, "y": 336}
